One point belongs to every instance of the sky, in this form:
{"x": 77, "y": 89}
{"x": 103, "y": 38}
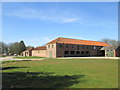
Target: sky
{"x": 37, "y": 23}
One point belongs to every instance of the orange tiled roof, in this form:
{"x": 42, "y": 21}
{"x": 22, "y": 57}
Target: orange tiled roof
{"x": 40, "y": 48}
{"x": 77, "y": 41}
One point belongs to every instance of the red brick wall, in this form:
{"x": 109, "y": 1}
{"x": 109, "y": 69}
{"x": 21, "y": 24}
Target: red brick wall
{"x": 82, "y": 48}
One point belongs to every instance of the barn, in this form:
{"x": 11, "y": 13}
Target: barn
{"x": 67, "y": 47}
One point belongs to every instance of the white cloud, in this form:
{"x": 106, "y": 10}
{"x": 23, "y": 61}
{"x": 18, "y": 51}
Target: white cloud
{"x": 45, "y": 15}
{"x": 70, "y": 20}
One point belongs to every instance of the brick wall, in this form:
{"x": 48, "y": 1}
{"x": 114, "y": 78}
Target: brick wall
{"x": 39, "y": 53}
{"x": 64, "y": 50}
{"x": 27, "y": 53}
{"x": 51, "y": 50}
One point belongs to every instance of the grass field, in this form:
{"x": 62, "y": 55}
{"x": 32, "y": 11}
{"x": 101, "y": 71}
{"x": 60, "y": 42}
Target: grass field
{"x": 58, "y": 73}
{"x": 2, "y": 62}
{"x": 29, "y": 57}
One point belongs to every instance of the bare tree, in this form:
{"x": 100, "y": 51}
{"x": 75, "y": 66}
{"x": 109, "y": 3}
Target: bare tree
{"x": 3, "y": 48}
{"x": 110, "y": 41}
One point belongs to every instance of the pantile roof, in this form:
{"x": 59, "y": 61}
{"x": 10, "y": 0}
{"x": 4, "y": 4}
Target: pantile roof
{"x": 40, "y": 48}
{"x": 109, "y": 47}
{"x": 77, "y": 41}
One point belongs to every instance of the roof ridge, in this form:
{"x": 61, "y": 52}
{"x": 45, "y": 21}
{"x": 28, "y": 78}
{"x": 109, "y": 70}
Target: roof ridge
{"x": 84, "y": 40}
{"x": 40, "y": 46}
{"x": 59, "y": 39}
{"x": 78, "y": 41}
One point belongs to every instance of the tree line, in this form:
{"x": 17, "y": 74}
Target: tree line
{"x": 13, "y": 48}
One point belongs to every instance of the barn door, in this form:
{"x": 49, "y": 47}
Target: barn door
{"x": 50, "y": 54}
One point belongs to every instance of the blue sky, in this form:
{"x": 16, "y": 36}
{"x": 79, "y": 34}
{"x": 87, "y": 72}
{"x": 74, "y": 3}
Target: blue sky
{"x": 38, "y": 23}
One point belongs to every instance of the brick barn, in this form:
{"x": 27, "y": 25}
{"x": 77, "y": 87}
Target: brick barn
{"x": 66, "y": 47}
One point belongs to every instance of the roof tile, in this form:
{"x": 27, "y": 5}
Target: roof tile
{"x": 40, "y": 48}
{"x": 77, "y": 41}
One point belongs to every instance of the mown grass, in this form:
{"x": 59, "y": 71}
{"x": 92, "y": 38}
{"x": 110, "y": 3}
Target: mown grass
{"x": 7, "y": 61}
{"x": 2, "y": 62}
{"x": 29, "y": 57}
{"x": 59, "y": 73}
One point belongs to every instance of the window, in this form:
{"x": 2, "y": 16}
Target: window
{"x": 48, "y": 46}
{"x": 72, "y": 46}
{"x": 66, "y": 45}
{"x": 87, "y": 47}
{"x": 78, "y": 52}
{"x": 26, "y": 53}
{"x": 82, "y": 52}
{"x": 66, "y": 52}
{"x": 78, "y": 47}
{"x": 83, "y": 46}
{"x": 52, "y": 46}
{"x": 87, "y": 52}
{"x": 72, "y": 52}
{"x": 60, "y": 46}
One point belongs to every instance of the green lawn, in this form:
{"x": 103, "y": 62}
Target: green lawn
{"x": 30, "y": 57}
{"x": 58, "y": 73}
{"x": 1, "y": 62}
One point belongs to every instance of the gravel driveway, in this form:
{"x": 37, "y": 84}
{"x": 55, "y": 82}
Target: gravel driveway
{"x": 9, "y": 58}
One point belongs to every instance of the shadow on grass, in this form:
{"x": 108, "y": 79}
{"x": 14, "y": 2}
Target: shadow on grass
{"x": 39, "y": 80}
{"x": 6, "y": 68}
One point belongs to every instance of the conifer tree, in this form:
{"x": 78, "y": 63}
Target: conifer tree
{"x": 22, "y": 46}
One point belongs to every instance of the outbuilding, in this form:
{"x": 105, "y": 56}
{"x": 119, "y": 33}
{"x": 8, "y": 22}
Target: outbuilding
{"x": 27, "y": 52}
{"x": 111, "y": 51}
{"x": 39, "y": 51}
